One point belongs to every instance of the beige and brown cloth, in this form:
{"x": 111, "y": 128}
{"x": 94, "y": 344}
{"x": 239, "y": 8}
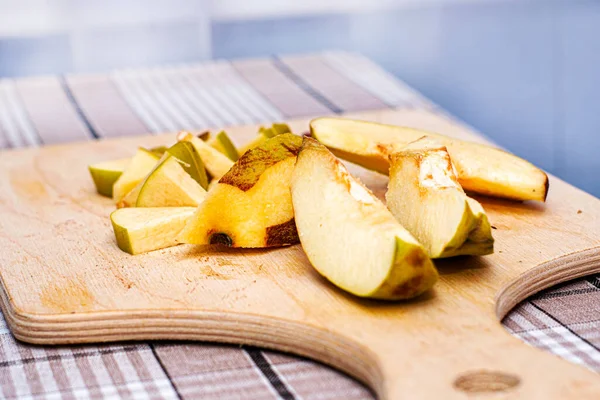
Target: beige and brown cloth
{"x": 48, "y": 110}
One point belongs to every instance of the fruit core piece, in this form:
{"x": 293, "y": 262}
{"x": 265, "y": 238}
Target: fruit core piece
{"x": 356, "y": 190}
{"x": 432, "y": 176}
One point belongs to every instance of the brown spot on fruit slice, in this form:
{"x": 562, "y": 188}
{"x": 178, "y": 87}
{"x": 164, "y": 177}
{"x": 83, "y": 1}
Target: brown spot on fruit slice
{"x": 282, "y": 234}
{"x": 416, "y": 258}
{"x": 408, "y": 288}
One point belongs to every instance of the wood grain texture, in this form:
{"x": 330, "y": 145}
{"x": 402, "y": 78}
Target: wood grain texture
{"x": 65, "y": 281}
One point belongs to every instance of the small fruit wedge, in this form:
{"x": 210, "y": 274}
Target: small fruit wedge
{"x": 169, "y": 185}
{"x": 141, "y": 164}
{"x": 251, "y": 205}
{"x": 158, "y": 150}
{"x": 223, "y": 143}
{"x": 257, "y": 141}
{"x": 480, "y": 169}
{"x": 191, "y": 161}
{"x": 425, "y": 197}
{"x": 274, "y": 130}
{"x": 216, "y": 163}
{"x": 105, "y": 174}
{"x": 349, "y": 236}
{"x": 264, "y": 134}
{"x": 139, "y": 230}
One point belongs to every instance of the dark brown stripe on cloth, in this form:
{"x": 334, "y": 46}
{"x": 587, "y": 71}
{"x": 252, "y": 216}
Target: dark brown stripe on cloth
{"x": 104, "y": 107}
{"x": 141, "y": 367}
{"x": 116, "y": 375}
{"x": 165, "y": 370}
{"x": 58, "y": 371}
{"x": 340, "y": 91}
{"x": 77, "y": 108}
{"x": 85, "y": 369}
{"x": 267, "y": 370}
{"x": 308, "y": 378}
{"x": 279, "y": 89}
{"x": 301, "y": 82}
{"x": 33, "y": 377}
{"x": 51, "y": 113}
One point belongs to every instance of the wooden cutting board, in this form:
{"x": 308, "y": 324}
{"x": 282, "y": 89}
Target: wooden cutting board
{"x": 65, "y": 281}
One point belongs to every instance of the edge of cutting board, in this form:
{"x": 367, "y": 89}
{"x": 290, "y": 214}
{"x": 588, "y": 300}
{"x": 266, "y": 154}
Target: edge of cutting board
{"x": 424, "y": 348}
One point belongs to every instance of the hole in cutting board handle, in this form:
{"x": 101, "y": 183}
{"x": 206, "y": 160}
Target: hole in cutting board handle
{"x": 486, "y": 382}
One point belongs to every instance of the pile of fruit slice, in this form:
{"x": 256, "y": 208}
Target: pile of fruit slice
{"x": 281, "y": 189}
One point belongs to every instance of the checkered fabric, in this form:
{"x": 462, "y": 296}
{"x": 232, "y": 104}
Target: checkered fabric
{"x": 39, "y": 111}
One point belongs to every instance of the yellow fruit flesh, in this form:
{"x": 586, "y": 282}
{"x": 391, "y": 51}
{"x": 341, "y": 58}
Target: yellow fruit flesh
{"x": 168, "y": 185}
{"x": 348, "y": 234}
{"x": 139, "y": 230}
{"x": 245, "y": 216}
{"x": 481, "y": 169}
{"x": 425, "y": 197}
{"x": 141, "y": 164}
{"x": 251, "y": 205}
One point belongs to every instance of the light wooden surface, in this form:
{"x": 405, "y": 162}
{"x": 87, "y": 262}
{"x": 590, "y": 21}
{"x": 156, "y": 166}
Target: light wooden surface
{"x": 65, "y": 281}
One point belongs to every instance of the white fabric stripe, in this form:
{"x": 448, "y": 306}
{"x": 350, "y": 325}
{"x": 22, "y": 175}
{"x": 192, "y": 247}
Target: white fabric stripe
{"x": 3, "y": 326}
{"x": 556, "y": 347}
{"x": 76, "y": 381}
{"x": 43, "y": 368}
{"x": 21, "y": 117}
{"x": 149, "y": 100}
{"x": 137, "y": 103}
{"x": 193, "y": 97}
{"x": 202, "y": 99}
{"x": 243, "y": 92}
{"x": 176, "y": 87}
{"x": 9, "y": 126}
{"x": 520, "y": 320}
{"x": 271, "y": 113}
{"x": 133, "y": 383}
{"x": 232, "y": 114}
{"x": 17, "y": 371}
{"x": 161, "y": 94}
{"x": 210, "y": 386}
{"x": 233, "y": 86}
{"x": 196, "y": 100}
{"x": 212, "y": 79}
{"x": 104, "y": 379}
{"x": 290, "y": 369}
{"x": 374, "y": 79}
{"x": 165, "y": 388}
{"x": 211, "y": 96}
{"x": 83, "y": 393}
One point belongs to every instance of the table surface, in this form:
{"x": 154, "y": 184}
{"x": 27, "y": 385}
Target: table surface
{"x": 48, "y": 110}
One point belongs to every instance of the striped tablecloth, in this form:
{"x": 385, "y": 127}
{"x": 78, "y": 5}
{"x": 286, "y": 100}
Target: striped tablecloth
{"x": 48, "y": 110}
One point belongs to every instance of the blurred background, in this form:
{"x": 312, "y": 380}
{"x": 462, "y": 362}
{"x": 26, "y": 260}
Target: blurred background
{"x": 523, "y": 72}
